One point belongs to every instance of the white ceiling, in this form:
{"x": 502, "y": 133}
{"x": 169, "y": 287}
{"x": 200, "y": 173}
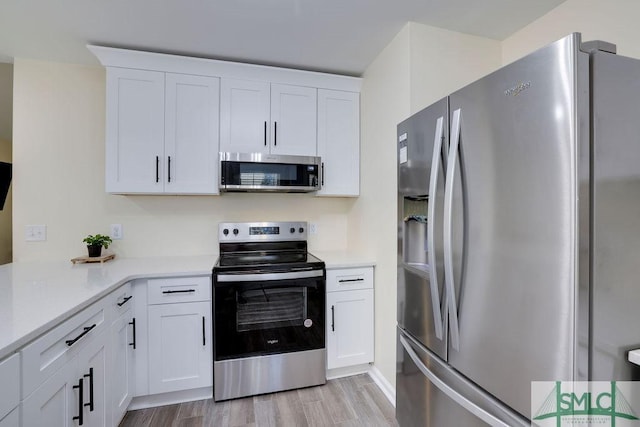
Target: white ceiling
{"x": 341, "y": 36}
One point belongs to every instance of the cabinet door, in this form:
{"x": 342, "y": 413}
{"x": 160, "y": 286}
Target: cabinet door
{"x": 55, "y": 402}
{"x": 179, "y": 346}
{"x": 121, "y": 367}
{"x": 244, "y": 116}
{"x": 339, "y": 142}
{"x": 293, "y": 120}
{"x": 92, "y": 367}
{"x": 134, "y": 131}
{"x": 191, "y": 134}
{"x": 349, "y": 328}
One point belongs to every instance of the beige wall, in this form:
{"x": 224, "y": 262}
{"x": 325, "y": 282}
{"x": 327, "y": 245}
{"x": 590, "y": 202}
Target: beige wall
{"x": 413, "y": 71}
{"x": 5, "y": 214}
{"x": 615, "y": 21}
{"x": 6, "y": 117}
{"x": 6, "y": 101}
{"x": 58, "y": 153}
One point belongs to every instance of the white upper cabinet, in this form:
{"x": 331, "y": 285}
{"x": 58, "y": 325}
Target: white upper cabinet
{"x": 258, "y": 117}
{"x": 293, "y": 119}
{"x": 168, "y": 116}
{"x": 339, "y": 142}
{"x": 134, "y": 131}
{"x": 162, "y": 132}
{"x": 191, "y": 134}
{"x": 244, "y": 116}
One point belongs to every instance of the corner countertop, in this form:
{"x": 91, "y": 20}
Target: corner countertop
{"x": 36, "y": 296}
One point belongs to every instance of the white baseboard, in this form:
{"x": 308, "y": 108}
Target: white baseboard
{"x": 153, "y": 400}
{"x": 384, "y": 385}
{"x": 348, "y": 371}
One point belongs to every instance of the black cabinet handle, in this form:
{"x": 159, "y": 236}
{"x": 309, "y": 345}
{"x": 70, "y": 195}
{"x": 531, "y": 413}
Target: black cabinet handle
{"x": 169, "y": 169}
{"x": 179, "y": 292}
{"x": 157, "y": 169}
{"x": 204, "y": 342}
{"x": 125, "y": 300}
{"x": 265, "y": 133}
{"x": 275, "y": 133}
{"x": 133, "y": 323}
{"x": 90, "y": 376}
{"x": 333, "y": 326}
{"x": 359, "y": 279}
{"x": 80, "y": 417}
{"x": 85, "y": 332}
{"x": 322, "y": 179}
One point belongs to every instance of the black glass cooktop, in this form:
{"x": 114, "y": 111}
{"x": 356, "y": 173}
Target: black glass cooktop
{"x": 266, "y": 257}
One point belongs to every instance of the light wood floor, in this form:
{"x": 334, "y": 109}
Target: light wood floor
{"x": 351, "y": 401}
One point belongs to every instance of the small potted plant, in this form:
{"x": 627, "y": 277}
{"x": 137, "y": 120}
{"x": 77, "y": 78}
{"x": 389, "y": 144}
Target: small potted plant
{"x": 95, "y": 244}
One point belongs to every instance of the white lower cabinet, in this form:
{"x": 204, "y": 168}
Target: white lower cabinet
{"x": 350, "y": 322}
{"x": 75, "y": 395}
{"x": 12, "y": 419}
{"x": 121, "y": 368}
{"x": 179, "y": 351}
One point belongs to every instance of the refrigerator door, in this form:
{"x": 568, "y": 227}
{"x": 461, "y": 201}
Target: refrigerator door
{"x": 431, "y": 394}
{"x": 616, "y": 214}
{"x": 511, "y": 228}
{"x": 421, "y": 158}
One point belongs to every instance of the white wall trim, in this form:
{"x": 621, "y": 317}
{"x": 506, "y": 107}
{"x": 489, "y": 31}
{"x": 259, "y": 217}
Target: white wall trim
{"x": 348, "y": 371}
{"x": 384, "y": 385}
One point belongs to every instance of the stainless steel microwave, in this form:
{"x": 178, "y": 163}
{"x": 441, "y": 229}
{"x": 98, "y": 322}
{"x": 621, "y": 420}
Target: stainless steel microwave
{"x": 257, "y": 172}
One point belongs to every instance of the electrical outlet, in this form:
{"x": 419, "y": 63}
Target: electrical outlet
{"x": 313, "y": 228}
{"x": 35, "y": 233}
{"x": 116, "y": 231}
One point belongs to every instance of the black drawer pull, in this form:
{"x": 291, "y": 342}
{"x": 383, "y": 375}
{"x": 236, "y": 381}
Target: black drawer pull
{"x": 85, "y": 332}
{"x": 179, "y": 292}
{"x": 275, "y": 133}
{"x": 90, "y": 376}
{"x": 204, "y": 342}
{"x": 359, "y": 279}
{"x": 133, "y": 323}
{"x": 169, "y": 169}
{"x": 265, "y": 133}
{"x": 157, "y": 169}
{"x": 322, "y": 175}
{"x": 80, "y": 417}
{"x": 124, "y": 301}
{"x": 333, "y": 326}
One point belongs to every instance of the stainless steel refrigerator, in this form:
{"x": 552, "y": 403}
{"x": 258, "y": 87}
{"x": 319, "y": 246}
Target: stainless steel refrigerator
{"x": 519, "y": 236}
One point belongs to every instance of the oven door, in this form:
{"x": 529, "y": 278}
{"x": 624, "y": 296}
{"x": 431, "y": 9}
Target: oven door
{"x": 261, "y": 314}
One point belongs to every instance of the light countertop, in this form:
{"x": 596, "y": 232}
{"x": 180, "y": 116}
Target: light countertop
{"x": 36, "y": 296}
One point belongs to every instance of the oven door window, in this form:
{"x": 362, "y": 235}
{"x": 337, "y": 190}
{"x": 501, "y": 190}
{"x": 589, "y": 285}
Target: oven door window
{"x": 258, "y": 309}
{"x": 257, "y": 318}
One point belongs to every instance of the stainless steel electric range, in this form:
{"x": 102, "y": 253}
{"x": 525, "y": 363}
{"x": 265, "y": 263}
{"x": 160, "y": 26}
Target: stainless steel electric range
{"x": 268, "y": 310}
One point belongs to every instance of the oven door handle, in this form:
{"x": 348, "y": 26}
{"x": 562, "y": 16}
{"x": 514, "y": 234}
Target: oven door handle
{"x": 264, "y": 277}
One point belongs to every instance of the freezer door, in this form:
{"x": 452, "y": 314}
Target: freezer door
{"x": 511, "y": 226}
{"x": 431, "y": 394}
{"x": 616, "y": 217}
{"x": 422, "y": 145}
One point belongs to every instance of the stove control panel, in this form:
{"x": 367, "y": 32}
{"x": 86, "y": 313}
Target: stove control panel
{"x": 261, "y": 231}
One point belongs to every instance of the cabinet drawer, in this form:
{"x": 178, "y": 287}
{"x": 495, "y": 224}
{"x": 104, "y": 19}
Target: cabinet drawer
{"x": 10, "y": 380}
{"x": 179, "y": 289}
{"x": 120, "y": 301}
{"x": 345, "y": 279}
{"x": 43, "y": 357}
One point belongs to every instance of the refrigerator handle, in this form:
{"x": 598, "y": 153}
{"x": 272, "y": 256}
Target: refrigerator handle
{"x": 448, "y": 230}
{"x": 433, "y": 186}
{"x": 450, "y": 392}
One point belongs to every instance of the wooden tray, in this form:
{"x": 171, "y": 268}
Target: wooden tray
{"x": 100, "y": 259}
